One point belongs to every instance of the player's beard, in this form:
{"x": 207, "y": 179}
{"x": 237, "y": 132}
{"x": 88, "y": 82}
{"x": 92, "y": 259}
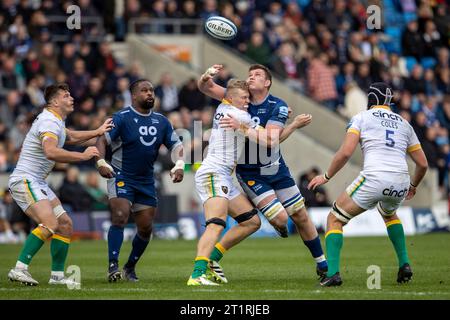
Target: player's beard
{"x": 147, "y": 104}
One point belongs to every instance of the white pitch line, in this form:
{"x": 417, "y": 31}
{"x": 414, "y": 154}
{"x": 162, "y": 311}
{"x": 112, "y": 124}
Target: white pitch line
{"x": 324, "y": 291}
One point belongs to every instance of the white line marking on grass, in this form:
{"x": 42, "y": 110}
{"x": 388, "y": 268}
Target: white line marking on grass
{"x": 318, "y": 291}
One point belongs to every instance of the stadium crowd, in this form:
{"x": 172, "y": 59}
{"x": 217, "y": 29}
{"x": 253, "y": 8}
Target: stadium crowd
{"x": 320, "y": 48}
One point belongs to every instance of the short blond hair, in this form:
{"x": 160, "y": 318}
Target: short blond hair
{"x": 237, "y": 84}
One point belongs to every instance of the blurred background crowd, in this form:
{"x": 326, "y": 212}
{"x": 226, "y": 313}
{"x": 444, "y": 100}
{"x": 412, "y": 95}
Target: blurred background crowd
{"x": 321, "y": 48}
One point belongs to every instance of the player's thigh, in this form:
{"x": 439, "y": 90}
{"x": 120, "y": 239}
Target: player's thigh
{"x": 210, "y": 184}
{"x": 239, "y": 205}
{"x": 33, "y": 200}
{"x": 216, "y": 207}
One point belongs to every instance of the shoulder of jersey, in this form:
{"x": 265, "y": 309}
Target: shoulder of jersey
{"x": 275, "y": 101}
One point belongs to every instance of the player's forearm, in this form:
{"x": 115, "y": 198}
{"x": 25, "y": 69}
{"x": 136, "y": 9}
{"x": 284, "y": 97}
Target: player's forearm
{"x": 261, "y": 136}
{"x": 287, "y": 131}
{"x": 61, "y": 155}
{"x": 101, "y": 147}
{"x": 78, "y": 137}
{"x": 338, "y": 162}
{"x": 419, "y": 173}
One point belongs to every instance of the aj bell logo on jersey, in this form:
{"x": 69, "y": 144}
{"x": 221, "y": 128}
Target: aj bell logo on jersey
{"x": 145, "y": 131}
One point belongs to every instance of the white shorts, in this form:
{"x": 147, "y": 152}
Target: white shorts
{"x": 27, "y": 192}
{"x": 211, "y": 184}
{"x": 367, "y": 191}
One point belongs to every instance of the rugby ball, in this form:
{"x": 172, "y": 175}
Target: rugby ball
{"x": 220, "y": 28}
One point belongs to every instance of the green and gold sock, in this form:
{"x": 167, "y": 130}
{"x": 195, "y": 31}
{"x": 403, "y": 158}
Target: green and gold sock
{"x": 200, "y": 266}
{"x": 334, "y": 240}
{"x": 32, "y": 245}
{"x": 397, "y": 237}
{"x": 59, "y": 249}
{"x": 218, "y": 252}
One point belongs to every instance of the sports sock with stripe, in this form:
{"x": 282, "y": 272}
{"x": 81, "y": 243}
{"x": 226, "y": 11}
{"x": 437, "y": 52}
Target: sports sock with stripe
{"x": 217, "y": 252}
{"x": 32, "y": 245}
{"x": 59, "y": 248}
{"x": 397, "y": 237}
{"x": 200, "y": 266}
{"x": 315, "y": 248}
{"x": 334, "y": 240}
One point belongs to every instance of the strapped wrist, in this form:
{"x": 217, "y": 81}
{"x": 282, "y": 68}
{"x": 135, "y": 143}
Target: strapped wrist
{"x": 415, "y": 186}
{"x": 326, "y": 176}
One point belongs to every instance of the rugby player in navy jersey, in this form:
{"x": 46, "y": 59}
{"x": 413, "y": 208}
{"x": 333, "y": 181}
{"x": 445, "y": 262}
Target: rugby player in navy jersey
{"x": 135, "y": 140}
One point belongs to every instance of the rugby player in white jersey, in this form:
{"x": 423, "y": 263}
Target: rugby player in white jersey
{"x": 386, "y": 138}
{"x": 42, "y": 147}
{"x": 216, "y": 189}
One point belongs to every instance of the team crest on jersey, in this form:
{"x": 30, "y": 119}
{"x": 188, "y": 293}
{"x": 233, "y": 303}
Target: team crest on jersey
{"x": 251, "y": 183}
{"x": 135, "y": 120}
{"x": 225, "y": 189}
{"x": 120, "y": 184}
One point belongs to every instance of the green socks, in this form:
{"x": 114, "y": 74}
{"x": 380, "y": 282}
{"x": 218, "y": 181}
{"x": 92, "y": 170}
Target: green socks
{"x": 200, "y": 266}
{"x": 334, "y": 240}
{"x": 217, "y": 253}
{"x": 32, "y": 245}
{"x": 59, "y": 249}
{"x": 397, "y": 236}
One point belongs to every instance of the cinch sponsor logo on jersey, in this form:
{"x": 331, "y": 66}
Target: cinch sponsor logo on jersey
{"x": 219, "y": 116}
{"x": 145, "y": 131}
{"x": 394, "y": 193}
{"x": 387, "y": 115}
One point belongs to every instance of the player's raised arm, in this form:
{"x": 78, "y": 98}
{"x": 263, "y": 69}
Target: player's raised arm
{"x": 340, "y": 159}
{"x": 88, "y": 137}
{"x": 207, "y": 85}
{"x": 300, "y": 121}
{"x": 54, "y": 153}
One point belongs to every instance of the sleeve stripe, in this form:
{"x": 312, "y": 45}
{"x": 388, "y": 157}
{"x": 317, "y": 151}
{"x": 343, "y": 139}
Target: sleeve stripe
{"x": 414, "y": 147}
{"x": 353, "y": 130}
{"x": 48, "y": 134}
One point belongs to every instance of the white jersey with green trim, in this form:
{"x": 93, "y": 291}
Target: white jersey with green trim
{"x": 225, "y": 145}
{"x": 385, "y": 139}
{"x": 33, "y": 164}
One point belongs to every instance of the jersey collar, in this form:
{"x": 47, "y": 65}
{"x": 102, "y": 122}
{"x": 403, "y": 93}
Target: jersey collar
{"x": 141, "y": 114}
{"x": 381, "y": 107}
{"x": 56, "y": 114}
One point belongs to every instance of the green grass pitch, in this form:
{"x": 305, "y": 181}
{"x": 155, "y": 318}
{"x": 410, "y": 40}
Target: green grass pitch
{"x": 257, "y": 269}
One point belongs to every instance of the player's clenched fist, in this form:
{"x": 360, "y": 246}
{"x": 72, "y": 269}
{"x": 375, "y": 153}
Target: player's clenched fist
{"x": 211, "y": 72}
{"x": 90, "y": 152}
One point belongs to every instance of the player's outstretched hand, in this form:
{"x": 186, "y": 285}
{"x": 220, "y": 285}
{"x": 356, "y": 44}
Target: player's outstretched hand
{"x": 229, "y": 122}
{"x": 105, "y": 127}
{"x": 411, "y": 192}
{"x": 211, "y": 72}
{"x": 90, "y": 152}
{"x": 316, "y": 182}
{"x": 302, "y": 120}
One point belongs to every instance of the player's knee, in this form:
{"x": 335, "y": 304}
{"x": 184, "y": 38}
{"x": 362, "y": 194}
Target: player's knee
{"x": 300, "y": 217}
{"x": 253, "y": 224}
{"x": 65, "y": 225}
{"x": 280, "y": 220}
{"x": 119, "y": 218}
{"x": 216, "y": 224}
{"x": 145, "y": 231}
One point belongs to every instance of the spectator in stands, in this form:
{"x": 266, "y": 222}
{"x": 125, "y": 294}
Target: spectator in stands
{"x": 20, "y": 223}
{"x": 190, "y": 97}
{"x": 321, "y": 83}
{"x": 11, "y": 108}
{"x": 412, "y": 42}
{"x": 363, "y": 77}
{"x": 167, "y": 93}
{"x": 313, "y": 198}
{"x": 189, "y": 12}
{"x": 286, "y": 66}
{"x": 415, "y": 83}
{"x": 209, "y": 9}
{"x": 355, "y": 100}
{"x": 431, "y": 39}
{"x": 258, "y": 50}
{"x": 6, "y": 233}
{"x": 18, "y": 132}
{"x": 98, "y": 195}
{"x": 72, "y": 193}
{"x": 124, "y": 94}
